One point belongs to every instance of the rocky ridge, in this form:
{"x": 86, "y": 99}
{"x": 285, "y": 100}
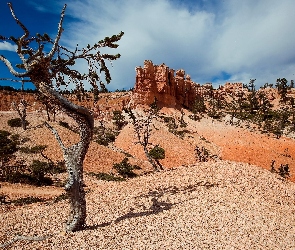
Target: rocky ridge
{"x": 172, "y": 88}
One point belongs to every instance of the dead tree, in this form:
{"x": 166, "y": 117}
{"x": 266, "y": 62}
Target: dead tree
{"x": 21, "y": 109}
{"x": 48, "y": 71}
{"x": 142, "y": 127}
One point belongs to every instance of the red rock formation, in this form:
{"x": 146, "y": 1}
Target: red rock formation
{"x": 233, "y": 87}
{"x": 169, "y": 87}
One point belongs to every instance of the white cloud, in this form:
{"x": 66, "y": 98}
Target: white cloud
{"x": 248, "y": 39}
{"x": 7, "y": 46}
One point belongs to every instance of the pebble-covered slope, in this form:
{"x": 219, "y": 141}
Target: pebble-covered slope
{"x": 217, "y": 205}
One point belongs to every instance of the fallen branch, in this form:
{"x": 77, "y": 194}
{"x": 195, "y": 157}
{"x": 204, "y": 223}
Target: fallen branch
{"x": 29, "y": 238}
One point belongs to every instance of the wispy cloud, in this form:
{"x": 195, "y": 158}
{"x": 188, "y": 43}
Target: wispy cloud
{"x": 7, "y": 46}
{"x": 239, "y": 40}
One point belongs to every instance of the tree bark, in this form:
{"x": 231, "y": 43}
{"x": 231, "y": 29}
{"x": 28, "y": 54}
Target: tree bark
{"x": 74, "y": 162}
{"x": 74, "y": 157}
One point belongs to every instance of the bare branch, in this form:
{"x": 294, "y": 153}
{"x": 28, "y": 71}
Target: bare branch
{"x": 21, "y": 39}
{"x": 62, "y": 101}
{"x": 29, "y": 238}
{"x": 19, "y": 22}
{"x": 11, "y": 69}
{"x": 60, "y": 30}
{"x": 13, "y": 80}
{"x": 54, "y": 131}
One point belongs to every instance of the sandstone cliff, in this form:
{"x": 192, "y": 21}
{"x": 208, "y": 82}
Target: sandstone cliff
{"x": 170, "y": 87}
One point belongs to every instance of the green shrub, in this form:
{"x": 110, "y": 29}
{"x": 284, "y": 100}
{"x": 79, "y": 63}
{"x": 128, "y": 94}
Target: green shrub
{"x": 104, "y": 136}
{"x": 125, "y": 169}
{"x": 105, "y": 139}
{"x": 170, "y": 122}
{"x": 59, "y": 167}
{"x": 16, "y": 122}
{"x": 19, "y": 177}
{"x": 33, "y": 174}
{"x": 119, "y": 119}
{"x": 38, "y": 170}
{"x": 195, "y": 117}
{"x": 33, "y": 150}
{"x": 283, "y": 170}
{"x": 180, "y": 133}
{"x": 27, "y": 200}
{"x": 8, "y": 146}
{"x": 106, "y": 177}
{"x": 157, "y": 153}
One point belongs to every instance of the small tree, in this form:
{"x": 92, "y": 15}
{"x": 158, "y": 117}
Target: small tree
{"x": 21, "y": 109}
{"x": 142, "y": 128}
{"x": 282, "y": 88}
{"x": 48, "y": 71}
{"x": 157, "y": 153}
{"x": 50, "y": 107}
{"x": 119, "y": 119}
{"x": 198, "y": 107}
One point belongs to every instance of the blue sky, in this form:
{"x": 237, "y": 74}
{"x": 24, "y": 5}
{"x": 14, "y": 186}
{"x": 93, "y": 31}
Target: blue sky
{"x": 212, "y": 40}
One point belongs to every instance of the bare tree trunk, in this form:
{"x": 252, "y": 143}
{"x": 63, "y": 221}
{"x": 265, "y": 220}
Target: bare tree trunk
{"x": 47, "y": 112}
{"x": 74, "y": 187}
{"x": 74, "y": 157}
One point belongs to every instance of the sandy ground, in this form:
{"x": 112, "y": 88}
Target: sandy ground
{"x": 221, "y": 205}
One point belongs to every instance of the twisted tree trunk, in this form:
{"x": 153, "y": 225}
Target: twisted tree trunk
{"x": 73, "y": 156}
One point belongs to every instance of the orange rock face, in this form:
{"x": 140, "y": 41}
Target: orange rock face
{"x": 169, "y": 87}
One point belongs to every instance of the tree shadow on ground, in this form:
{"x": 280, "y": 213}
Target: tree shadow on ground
{"x": 156, "y": 206}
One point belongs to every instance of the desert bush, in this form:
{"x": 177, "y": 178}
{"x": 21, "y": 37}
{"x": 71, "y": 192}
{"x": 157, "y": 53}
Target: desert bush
{"x": 35, "y": 174}
{"x": 119, "y": 119}
{"x": 106, "y": 177}
{"x": 27, "y": 200}
{"x": 33, "y": 150}
{"x": 8, "y": 146}
{"x": 38, "y": 170}
{"x": 157, "y": 153}
{"x": 283, "y": 170}
{"x": 104, "y": 136}
{"x": 125, "y": 169}
{"x": 170, "y": 122}
{"x": 202, "y": 154}
{"x": 59, "y": 167}
{"x": 16, "y": 122}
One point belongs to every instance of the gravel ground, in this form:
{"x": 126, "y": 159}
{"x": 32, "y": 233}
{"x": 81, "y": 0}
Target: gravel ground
{"x": 214, "y": 205}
